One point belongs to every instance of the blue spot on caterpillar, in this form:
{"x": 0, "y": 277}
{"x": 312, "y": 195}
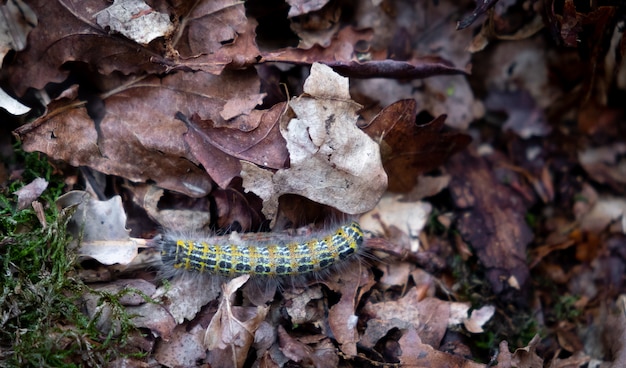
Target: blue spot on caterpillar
{"x": 275, "y": 257}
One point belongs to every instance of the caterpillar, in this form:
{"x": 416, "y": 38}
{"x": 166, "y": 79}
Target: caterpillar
{"x": 275, "y": 257}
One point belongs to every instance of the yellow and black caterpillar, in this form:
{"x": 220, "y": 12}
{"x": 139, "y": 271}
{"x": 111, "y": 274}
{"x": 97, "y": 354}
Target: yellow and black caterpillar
{"x": 274, "y": 257}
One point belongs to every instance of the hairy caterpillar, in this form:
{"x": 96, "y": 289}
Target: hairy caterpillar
{"x": 275, "y": 257}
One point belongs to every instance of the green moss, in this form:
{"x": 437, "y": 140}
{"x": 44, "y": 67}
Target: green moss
{"x": 41, "y": 322}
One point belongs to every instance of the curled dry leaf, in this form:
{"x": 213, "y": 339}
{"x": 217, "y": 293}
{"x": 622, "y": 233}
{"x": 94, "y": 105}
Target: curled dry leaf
{"x": 415, "y": 69}
{"x": 182, "y": 299}
{"x": 430, "y": 317}
{"x": 231, "y": 331}
{"x": 417, "y": 354}
{"x": 342, "y": 317}
{"x": 331, "y": 161}
{"x": 99, "y": 228}
{"x": 17, "y": 21}
{"x": 400, "y": 221}
{"x": 30, "y": 192}
{"x": 299, "y": 7}
{"x": 183, "y": 349}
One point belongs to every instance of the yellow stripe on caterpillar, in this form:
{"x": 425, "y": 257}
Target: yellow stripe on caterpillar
{"x": 271, "y": 259}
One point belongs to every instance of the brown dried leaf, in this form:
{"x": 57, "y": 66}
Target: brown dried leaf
{"x": 342, "y": 316}
{"x": 429, "y": 317}
{"x": 210, "y": 36}
{"x": 231, "y": 331}
{"x": 423, "y": 67}
{"x": 493, "y": 222}
{"x": 409, "y": 150}
{"x": 67, "y": 32}
{"x": 340, "y": 49}
{"x": 18, "y": 21}
{"x": 138, "y": 137}
{"x": 135, "y": 20}
{"x": 220, "y": 149}
{"x": 183, "y": 349}
{"x": 323, "y": 355}
{"x": 417, "y": 354}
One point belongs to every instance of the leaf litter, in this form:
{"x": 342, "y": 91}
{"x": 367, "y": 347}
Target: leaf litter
{"x": 504, "y": 249}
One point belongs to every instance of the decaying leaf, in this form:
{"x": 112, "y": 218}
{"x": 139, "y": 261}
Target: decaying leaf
{"x": 30, "y": 192}
{"x": 139, "y": 138}
{"x": 135, "y": 20}
{"x": 99, "y": 228}
{"x": 493, "y": 222}
{"x": 331, "y": 160}
{"x": 409, "y": 150}
{"x": 401, "y": 221}
{"x": 232, "y": 329}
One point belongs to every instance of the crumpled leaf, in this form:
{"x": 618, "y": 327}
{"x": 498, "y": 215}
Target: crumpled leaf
{"x": 394, "y": 212}
{"x": 135, "y": 20}
{"x": 299, "y": 7}
{"x": 325, "y": 145}
{"x": 478, "y": 317}
{"x": 182, "y": 299}
{"x": 11, "y": 105}
{"x": 317, "y": 27}
{"x": 415, "y": 353}
{"x": 17, "y": 21}
{"x": 322, "y": 355}
{"x": 430, "y": 317}
{"x": 340, "y": 49}
{"x": 183, "y": 349}
{"x": 231, "y": 331}
{"x": 30, "y": 192}
{"x": 99, "y": 227}
{"x": 525, "y": 357}
{"x": 220, "y": 149}
{"x": 342, "y": 317}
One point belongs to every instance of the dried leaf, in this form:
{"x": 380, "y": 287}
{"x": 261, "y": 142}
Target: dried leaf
{"x": 183, "y": 349}
{"x": 299, "y": 7}
{"x": 417, "y": 354}
{"x": 231, "y": 331}
{"x": 395, "y": 212}
{"x": 99, "y": 227}
{"x": 493, "y": 222}
{"x": 17, "y": 21}
{"x": 138, "y": 137}
{"x": 30, "y": 192}
{"x": 409, "y": 150}
{"x": 481, "y": 8}
{"x": 135, "y": 20}
{"x": 415, "y": 69}
{"x": 325, "y": 144}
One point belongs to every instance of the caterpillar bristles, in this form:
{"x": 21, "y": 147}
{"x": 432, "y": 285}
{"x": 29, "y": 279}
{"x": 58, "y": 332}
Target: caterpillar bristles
{"x": 271, "y": 259}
